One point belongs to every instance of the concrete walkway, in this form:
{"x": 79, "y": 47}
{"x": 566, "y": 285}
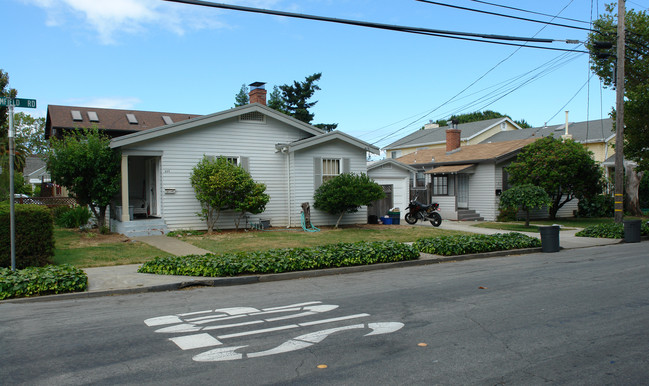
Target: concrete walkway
{"x": 124, "y": 279}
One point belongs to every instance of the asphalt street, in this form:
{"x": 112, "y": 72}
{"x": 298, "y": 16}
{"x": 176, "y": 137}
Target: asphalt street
{"x": 578, "y": 316}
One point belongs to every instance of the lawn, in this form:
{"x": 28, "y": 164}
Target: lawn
{"x": 88, "y": 249}
{"x": 566, "y": 223}
{"x": 231, "y": 241}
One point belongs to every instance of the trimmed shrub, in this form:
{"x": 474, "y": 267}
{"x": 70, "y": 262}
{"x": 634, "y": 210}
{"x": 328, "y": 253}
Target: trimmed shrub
{"x": 610, "y": 230}
{"x": 75, "y": 217}
{"x": 52, "y": 279}
{"x": 282, "y": 260}
{"x": 465, "y": 244}
{"x": 34, "y": 236}
{"x": 598, "y": 206}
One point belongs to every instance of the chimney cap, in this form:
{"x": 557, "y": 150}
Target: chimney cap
{"x": 257, "y": 84}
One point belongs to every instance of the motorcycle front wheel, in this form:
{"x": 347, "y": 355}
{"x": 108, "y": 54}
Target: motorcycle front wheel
{"x": 410, "y": 219}
{"x": 436, "y": 219}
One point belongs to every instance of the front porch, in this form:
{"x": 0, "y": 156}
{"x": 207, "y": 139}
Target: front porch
{"x": 137, "y": 210}
{"x": 151, "y": 226}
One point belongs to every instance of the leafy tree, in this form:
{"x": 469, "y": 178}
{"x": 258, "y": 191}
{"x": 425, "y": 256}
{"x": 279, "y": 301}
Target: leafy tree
{"x": 346, "y": 193}
{"x": 30, "y": 131}
{"x": 524, "y": 197}
{"x": 20, "y": 187}
{"x": 6, "y": 93}
{"x": 221, "y": 185}
{"x": 242, "y": 97}
{"x": 636, "y": 83}
{"x": 479, "y": 116}
{"x": 563, "y": 168}
{"x": 254, "y": 199}
{"x": 84, "y": 163}
{"x": 20, "y": 152}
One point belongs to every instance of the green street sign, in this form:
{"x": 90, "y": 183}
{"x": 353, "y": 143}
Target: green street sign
{"x": 18, "y": 102}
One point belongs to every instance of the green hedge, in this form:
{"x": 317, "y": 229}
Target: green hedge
{"x": 610, "y": 230}
{"x": 282, "y": 260}
{"x": 34, "y": 236}
{"x": 465, "y": 244}
{"x": 52, "y": 279}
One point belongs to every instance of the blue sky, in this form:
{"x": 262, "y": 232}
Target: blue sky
{"x": 377, "y": 85}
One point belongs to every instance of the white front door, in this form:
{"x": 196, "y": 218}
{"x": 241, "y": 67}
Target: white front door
{"x": 463, "y": 191}
{"x": 151, "y": 166}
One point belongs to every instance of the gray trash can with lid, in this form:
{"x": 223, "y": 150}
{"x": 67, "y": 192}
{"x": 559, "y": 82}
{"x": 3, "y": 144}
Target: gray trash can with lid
{"x": 550, "y": 238}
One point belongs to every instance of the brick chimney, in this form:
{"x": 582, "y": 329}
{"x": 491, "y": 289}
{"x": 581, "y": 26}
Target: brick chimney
{"x": 257, "y": 93}
{"x": 452, "y": 139}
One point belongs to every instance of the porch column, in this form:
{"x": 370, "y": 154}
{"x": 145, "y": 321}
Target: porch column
{"x": 125, "y": 211}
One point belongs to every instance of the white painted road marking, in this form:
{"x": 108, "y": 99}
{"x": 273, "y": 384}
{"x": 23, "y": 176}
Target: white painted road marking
{"x": 193, "y": 322}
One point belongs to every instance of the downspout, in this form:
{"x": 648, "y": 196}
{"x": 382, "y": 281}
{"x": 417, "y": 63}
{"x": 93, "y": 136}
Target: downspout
{"x": 288, "y": 184}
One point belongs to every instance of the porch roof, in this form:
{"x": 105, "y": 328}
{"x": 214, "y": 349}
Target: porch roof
{"x": 449, "y": 169}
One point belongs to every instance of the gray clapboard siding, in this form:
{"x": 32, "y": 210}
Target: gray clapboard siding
{"x": 256, "y": 141}
{"x": 304, "y": 167}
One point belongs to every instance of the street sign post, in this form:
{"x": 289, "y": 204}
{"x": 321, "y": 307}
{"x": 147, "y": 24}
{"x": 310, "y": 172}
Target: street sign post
{"x": 11, "y": 103}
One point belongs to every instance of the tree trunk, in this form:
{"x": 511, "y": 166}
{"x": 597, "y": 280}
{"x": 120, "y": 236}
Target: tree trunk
{"x": 339, "y": 218}
{"x": 632, "y": 187}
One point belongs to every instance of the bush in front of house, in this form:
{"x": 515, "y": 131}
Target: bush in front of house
{"x": 596, "y": 206}
{"x": 610, "y": 230}
{"x": 282, "y": 260}
{"x": 52, "y": 279}
{"x": 34, "y": 236}
{"x": 465, "y": 244}
{"x": 74, "y": 217}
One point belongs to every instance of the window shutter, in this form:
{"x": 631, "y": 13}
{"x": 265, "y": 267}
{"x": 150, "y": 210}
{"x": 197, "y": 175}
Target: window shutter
{"x": 245, "y": 163}
{"x": 346, "y": 165}
{"x": 317, "y": 173}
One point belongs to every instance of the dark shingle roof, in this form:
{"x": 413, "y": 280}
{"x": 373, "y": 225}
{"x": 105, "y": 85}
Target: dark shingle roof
{"x": 114, "y": 121}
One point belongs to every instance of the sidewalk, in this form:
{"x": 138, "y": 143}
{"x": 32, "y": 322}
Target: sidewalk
{"x": 124, "y": 279}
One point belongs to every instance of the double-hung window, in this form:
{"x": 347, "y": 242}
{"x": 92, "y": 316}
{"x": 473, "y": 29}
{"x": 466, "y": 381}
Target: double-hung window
{"x": 440, "y": 185}
{"x": 330, "y": 168}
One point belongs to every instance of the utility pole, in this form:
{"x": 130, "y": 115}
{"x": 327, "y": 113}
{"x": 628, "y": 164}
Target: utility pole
{"x": 619, "y": 114}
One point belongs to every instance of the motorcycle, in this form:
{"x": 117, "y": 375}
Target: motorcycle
{"x": 419, "y": 211}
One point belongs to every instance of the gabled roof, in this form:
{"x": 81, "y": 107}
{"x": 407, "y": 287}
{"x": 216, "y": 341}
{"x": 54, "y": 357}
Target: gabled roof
{"x": 211, "y": 119}
{"x": 437, "y": 135}
{"x": 390, "y": 161}
{"x": 465, "y": 154}
{"x": 115, "y": 121}
{"x": 600, "y": 130}
{"x": 330, "y": 136}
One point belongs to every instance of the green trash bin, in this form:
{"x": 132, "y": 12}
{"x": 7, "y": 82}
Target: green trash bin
{"x": 632, "y": 231}
{"x": 550, "y": 238}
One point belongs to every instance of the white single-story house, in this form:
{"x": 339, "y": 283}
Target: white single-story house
{"x": 397, "y": 179}
{"x": 289, "y": 156}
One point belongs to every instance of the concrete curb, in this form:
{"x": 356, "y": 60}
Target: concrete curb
{"x": 424, "y": 259}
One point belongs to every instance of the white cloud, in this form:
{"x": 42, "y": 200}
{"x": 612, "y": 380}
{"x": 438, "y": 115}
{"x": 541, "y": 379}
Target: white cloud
{"x": 113, "y": 18}
{"x": 122, "y": 103}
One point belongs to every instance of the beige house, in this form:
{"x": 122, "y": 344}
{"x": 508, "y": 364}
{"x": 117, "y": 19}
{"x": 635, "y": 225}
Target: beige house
{"x": 433, "y": 136}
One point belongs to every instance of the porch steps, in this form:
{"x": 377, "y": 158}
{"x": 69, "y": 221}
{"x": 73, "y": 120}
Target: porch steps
{"x": 138, "y": 228}
{"x": 468, "y": 215}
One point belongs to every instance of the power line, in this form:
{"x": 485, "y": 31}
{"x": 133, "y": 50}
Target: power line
{"x": 573, "y": 97}
{"x": 528, "y": 11}
{"x": 429, "y": 31}
{"x": 503, "y": 15}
